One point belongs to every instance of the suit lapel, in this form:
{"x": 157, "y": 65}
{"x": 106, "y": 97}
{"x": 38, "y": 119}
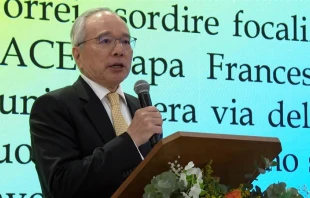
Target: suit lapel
{"x": 132, "y": 104}
{"x": 98, "y": 115}
{"x": 95, "y": 110}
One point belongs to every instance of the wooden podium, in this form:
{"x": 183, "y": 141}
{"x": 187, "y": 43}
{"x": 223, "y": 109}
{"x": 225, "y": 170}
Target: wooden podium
{"x": 233, "y": 156}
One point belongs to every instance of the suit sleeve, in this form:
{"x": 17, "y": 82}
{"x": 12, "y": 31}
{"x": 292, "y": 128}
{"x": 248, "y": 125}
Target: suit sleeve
{"x": 62, "y": 170}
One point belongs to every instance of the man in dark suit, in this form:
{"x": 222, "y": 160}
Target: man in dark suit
{"x": 74, "y": 145}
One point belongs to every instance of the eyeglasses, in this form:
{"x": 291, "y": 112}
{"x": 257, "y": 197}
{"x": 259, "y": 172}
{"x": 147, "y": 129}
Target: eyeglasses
{"x": 109, "y": 41}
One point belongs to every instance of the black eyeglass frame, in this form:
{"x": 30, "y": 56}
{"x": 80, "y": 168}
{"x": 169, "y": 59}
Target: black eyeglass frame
{"x": 97, "y": 37}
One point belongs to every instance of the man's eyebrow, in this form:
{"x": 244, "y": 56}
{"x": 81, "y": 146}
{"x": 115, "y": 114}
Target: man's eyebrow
{"x": 104, "y": 33}
{"x": 108, "y": 33}
{"x": 126, "y": 35}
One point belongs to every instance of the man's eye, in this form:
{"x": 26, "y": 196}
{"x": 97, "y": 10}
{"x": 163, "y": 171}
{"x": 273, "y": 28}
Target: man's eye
{"x": 126, "y": 41}
{"x": 105, "y": 40}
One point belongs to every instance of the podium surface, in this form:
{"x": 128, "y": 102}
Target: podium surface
{"x": 233, "y": 156}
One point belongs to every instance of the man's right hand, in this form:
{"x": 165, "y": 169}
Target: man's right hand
{"x": 146, "y": 122}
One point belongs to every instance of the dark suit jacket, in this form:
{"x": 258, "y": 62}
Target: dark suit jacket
{"x": 74, "y": 146}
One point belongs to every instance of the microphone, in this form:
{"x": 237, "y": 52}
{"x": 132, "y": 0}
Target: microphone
{"x": 142, "y": 89}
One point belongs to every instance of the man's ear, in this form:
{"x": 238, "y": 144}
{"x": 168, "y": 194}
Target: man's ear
{"x": 76, "y": 55}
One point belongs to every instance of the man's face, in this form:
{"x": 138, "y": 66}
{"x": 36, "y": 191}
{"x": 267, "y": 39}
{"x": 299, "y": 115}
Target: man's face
{"x": 108, "y": 66}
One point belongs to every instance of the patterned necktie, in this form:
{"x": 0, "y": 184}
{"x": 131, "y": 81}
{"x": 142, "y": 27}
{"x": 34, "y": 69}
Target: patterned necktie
{"x": 120, "y": 124}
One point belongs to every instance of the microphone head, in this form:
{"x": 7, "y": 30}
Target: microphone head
{"x": 141, "y": 86}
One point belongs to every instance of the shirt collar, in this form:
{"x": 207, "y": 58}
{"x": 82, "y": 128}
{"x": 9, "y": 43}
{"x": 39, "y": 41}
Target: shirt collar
{"x": 101, "y": 91}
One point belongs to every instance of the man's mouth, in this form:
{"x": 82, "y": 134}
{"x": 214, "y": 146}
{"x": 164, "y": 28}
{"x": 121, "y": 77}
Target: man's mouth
{"x": 117, "y": 65}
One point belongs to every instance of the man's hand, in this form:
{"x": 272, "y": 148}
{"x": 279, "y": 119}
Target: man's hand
{"x": 145, "y": 123}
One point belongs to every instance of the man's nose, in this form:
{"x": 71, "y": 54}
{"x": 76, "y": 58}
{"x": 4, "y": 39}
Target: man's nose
{"x": 118, "y": 49}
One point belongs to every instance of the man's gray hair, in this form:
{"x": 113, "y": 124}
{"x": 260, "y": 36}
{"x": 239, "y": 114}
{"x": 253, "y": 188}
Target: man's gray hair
{"x": 77, "y": 33}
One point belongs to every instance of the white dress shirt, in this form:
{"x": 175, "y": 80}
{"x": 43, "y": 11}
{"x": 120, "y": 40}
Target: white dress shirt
{"x": 102, "y": 92}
